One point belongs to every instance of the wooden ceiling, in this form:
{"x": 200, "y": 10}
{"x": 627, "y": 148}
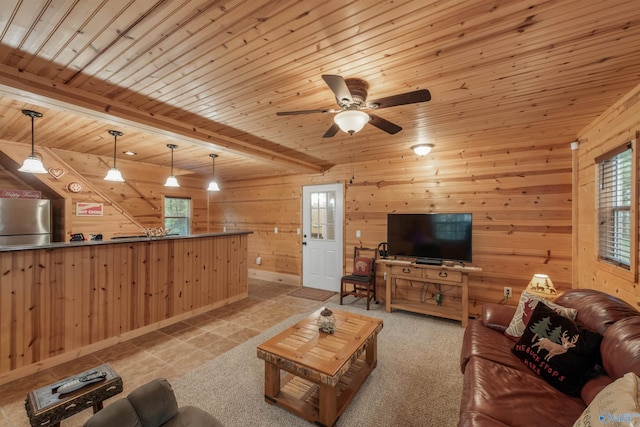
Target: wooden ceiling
{"x": 210, "y": 76}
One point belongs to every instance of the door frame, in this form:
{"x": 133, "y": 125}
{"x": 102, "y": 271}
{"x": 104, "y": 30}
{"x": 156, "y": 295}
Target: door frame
{"x": 340, "y": 188}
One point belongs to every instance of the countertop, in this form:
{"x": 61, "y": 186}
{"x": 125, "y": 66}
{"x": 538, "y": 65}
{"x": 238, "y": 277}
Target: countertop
{"x": 117, "y": 240}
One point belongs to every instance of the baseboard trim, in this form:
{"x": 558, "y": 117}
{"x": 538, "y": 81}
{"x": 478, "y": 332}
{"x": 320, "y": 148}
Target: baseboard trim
{"x": 272, "y": 276}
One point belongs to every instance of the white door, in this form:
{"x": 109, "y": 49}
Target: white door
{"x": 322, "y": 219}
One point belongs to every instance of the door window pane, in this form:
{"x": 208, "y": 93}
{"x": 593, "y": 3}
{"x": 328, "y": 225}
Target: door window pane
{"x": 323, "y": 212}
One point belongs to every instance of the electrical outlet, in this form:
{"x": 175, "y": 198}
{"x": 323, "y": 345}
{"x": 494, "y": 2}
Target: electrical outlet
{"x": 507, "y": 292}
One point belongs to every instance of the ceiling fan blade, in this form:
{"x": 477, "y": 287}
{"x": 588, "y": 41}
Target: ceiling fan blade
{"x": 384, "y": 125}
{"x": 331, "y": 131}
{"x": 421, "y": 95}
{"x": 295, "y": 113}
{"x": 339, "y": 87}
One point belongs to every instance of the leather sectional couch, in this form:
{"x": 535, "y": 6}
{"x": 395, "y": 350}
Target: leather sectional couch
{"x": 499, "y": 390}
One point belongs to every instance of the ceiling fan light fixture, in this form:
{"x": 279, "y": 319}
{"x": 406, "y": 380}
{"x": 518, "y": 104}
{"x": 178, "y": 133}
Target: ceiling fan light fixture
{"x": 351, "y": 121}
{"x": 171, "y": 180}
{"x": 422, "y": 149}
{"x": 32, "y": 164}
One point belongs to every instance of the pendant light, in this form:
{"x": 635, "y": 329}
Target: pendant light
{"x": 32, "y": 164}
{"x": 213, "y": 185}
{"x": 351, "y": 121}
{"x": 171, "y": 180}
{"x": 114, "y": 174}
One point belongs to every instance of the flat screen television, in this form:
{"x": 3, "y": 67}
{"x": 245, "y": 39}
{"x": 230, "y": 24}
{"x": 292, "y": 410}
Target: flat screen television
{"x": 430, "y": 238}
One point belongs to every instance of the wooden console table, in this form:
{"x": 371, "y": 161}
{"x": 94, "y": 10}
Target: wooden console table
{"x": 428, "y": 289}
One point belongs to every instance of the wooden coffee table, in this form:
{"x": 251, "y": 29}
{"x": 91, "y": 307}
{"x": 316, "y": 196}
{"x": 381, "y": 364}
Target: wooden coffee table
{"x": 324, "y": 370}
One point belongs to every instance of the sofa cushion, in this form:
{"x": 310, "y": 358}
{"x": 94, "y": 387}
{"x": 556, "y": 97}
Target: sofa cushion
{"x": 558, "y": 349}
{"x": 120, "y": 410}
{"x": 526, "y": 305}
{"x": 596, "y": 310}
{"x": 512, "y": 397}
{"x": 489, "y": 344}
{"x": 617, "y": 404}
{"x": 154, "y": 402}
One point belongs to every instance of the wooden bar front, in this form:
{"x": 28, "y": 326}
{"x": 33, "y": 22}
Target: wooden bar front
{"x": 63, "y": 301}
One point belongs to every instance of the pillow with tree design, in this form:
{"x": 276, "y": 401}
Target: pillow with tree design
{"x": 558, "y": 349}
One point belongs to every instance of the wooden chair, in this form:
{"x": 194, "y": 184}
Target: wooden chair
{"x": 361, "y": 283}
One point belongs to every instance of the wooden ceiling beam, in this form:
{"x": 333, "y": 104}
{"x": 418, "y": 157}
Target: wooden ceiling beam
{"x": 20, "y": 85}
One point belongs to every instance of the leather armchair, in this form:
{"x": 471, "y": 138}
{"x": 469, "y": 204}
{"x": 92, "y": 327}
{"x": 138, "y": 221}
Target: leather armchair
{"x": 151, "y": 405}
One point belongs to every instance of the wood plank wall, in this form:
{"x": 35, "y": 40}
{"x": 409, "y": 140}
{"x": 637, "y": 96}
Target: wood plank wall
{"x": 57, "y": 304}
{"x": 615, "y": 127}
{"x": 519, "y": 192}
{"x": 520, "y": 197}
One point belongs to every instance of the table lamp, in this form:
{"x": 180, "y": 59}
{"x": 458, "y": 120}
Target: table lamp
{"x": 542, "y": 286}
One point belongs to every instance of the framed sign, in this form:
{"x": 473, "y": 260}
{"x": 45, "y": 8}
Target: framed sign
{"x": 89, "y": 209}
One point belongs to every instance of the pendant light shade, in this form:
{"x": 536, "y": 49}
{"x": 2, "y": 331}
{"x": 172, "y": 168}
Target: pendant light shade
{"x": 351, "y": 121}
{"x": 32, "y": 164}
{"x": 171, "y": 180}
{"x": 114, "y": 174}
{"x": 213, "y": 185}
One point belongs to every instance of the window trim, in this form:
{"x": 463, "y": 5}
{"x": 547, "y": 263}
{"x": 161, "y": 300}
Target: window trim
{"x": 606, "y": 265}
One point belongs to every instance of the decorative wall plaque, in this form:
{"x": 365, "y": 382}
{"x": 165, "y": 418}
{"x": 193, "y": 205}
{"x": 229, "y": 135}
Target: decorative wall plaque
{"x": 55, "y": 172}
{"x": 74, "y": 187}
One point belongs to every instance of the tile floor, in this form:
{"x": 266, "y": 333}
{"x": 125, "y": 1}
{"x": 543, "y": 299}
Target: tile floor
{"x": 170, "y": 352}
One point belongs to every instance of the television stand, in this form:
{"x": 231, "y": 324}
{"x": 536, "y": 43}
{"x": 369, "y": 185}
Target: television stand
{"x": 435, "y": 290}
{"x": 429, "y": 261}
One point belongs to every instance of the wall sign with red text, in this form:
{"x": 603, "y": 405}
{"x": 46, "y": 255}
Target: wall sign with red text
{"x": 89, "y": 209}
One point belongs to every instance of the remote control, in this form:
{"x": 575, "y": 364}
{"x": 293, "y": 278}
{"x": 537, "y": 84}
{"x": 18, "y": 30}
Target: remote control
{"x": 79, "y": 382}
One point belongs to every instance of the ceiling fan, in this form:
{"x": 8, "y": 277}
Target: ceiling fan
{"x": 351, "y": 96}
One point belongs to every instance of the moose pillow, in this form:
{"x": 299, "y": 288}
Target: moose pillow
{"x": 558, "y": 349}
{"x": 362, "y": 266}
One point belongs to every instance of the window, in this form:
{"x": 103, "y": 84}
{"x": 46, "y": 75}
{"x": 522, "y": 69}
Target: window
{"x": 323, "y": 212}
{"x": 177, "y": 215}
{"x": 615, "y": 201}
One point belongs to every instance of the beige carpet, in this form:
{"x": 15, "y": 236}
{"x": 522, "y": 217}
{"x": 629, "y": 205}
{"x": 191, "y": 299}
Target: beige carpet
{"x": 311, "y": 293}
{"x": 417, "y": 381}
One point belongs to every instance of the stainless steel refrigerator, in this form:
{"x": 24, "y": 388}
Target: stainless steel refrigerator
{"x": 25, "y": 222}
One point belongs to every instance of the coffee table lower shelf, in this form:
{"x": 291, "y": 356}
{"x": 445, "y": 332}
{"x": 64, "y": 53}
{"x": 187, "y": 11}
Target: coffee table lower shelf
{"x": 302, "y": 397}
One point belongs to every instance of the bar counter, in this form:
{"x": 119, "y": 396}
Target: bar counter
{"x": 61, "y": 301}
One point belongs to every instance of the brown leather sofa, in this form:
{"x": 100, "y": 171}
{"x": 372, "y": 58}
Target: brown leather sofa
{"x": 151, "y": 405}
{"x": 499, "y": 390}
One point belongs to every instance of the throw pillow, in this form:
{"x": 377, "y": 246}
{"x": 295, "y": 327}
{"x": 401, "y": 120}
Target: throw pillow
{"x": 526, "y": 305}
{"x": 558, "y": 349}
{"x": 618, "y": 404}
{"x": 362, "y": 266}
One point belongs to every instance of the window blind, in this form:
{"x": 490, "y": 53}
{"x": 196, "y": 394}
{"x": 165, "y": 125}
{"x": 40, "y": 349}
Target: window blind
{"x": 614, "y": 208}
